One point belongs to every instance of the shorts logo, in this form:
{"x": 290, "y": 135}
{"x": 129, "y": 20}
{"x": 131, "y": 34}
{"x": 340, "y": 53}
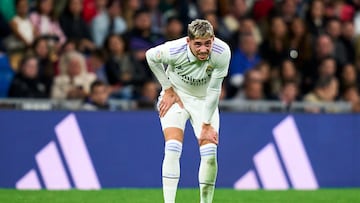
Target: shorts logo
{"x": 51, "y": 167}
{"x": 268, "y": 165}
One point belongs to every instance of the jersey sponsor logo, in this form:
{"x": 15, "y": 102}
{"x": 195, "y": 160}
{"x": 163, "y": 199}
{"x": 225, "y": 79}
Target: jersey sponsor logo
{"x": 193, "y": 81}
{"x": 281, "y": 165}
{"x": 74, "y": 170}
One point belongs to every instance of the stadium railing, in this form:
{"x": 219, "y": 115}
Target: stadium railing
{"x": 225, "y": 105}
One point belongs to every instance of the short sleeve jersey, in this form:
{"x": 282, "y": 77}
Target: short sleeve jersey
{"x": 185, "y": 72}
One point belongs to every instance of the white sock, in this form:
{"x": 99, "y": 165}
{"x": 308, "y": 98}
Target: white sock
{"x": 207, "y": 172}
{"x": 171, "y": 170}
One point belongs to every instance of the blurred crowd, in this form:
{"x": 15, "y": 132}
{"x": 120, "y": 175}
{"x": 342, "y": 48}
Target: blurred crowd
{"x": 93, "y": 50}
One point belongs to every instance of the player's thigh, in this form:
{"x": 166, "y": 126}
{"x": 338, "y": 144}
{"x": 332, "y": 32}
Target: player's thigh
{"x": 196, "y": 118}
{"x": 173, "y": 123}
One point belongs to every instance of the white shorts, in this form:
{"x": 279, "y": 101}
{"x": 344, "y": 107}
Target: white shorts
{"x": 193, "y": 109}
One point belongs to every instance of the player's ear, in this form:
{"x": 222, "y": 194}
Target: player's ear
{"x": 188, "y": 40}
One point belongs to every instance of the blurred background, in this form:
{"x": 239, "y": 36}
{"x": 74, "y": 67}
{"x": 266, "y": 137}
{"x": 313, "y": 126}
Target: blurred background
{"x": 295, "y": 63}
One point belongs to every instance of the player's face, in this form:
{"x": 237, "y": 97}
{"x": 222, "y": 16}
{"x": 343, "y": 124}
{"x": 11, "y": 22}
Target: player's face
{"x": 201, "y": 47}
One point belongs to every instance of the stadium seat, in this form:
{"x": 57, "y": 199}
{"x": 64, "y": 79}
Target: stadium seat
{"x": 6, "y": 75}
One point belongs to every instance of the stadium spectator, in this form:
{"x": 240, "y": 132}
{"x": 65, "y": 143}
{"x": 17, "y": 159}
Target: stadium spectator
{"x": 129, "y": 7}
{"x": 324, "y": 47}
{"x": 266, "y": 75}
{"x": 156, "y": 16}
{"x": 301, "y": 48}
{"x": 21, "y": 27}
{"x": 349, "y": 39}
{"x": 74, "y": 80}
{"x": 275, "y": 47}
{"x": 262, "y": 9}
{"x": 8, "y": 9}
{"x": 26, "y": 83}
{"x": 141, "y": 37}
{"x": 205, "y": 6}
{"x": 315, "y": 18}
{"x": 46, "y": 60}
{"x": 246, "y": 25}
{"x": 149, "y": 95}
{"x": 107, "y": 21}
{"x": 96, "y": 62}
{"x": 174, "y": 28}
{"x": 90, "y": 9}
{"x": 219, "y": 27}
{"x": 287, "y": 72}
{"x": 5, "y": 32}
{"x": 74, "y": 25}
{"x": 98, "y": 98}
{"x": 252, "y": 89}
{"x": 348, "y": 76}
{"x": 288, "y": 94}
{"x": 125, "y": 74}
{"x": 245, "y": 57}
{"x": 237, "y": 9}
{"x": 46, "y": 24}
{"x": 288, "y": 10}
{"x": 351, "y": 94}
{"x": 325, "y": 90}
{"x": 327, "y": 67}
{"x": 341, "y": 10}
{"x": 333, "y": 29}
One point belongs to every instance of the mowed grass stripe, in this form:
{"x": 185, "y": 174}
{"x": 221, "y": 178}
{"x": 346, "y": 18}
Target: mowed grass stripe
{"x": 183, "y": 196}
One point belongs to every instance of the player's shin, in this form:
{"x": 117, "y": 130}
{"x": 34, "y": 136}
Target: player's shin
{"x": 171, "y": 169}
{"x": 207, "y": 172}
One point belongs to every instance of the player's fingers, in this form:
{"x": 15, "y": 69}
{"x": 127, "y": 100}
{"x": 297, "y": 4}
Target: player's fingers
{"x": 215, "y": 140}
{"x": 163, "y": 110}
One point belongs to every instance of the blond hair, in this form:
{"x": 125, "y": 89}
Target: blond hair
{"x": 200, "y": 29}
{"x": 67, "y": 57}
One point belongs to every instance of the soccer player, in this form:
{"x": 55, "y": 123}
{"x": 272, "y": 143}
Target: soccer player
{"x": 191, "y": 71}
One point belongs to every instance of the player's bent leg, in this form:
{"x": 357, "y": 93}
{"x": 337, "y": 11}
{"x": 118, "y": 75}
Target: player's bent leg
{"x": 171, "y": 163}
{"x": 207, "y": 172}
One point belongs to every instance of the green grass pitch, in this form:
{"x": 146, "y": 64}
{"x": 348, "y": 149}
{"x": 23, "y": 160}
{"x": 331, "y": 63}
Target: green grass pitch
{"x": 183, "y": 196}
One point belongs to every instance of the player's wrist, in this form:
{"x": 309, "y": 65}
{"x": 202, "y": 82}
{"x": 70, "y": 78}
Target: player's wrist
{"x": 169, "y": 89}
{"x": 206, "y": 125}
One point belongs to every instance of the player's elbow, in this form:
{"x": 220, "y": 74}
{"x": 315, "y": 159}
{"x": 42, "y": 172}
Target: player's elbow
{"x": 149, "y": 53}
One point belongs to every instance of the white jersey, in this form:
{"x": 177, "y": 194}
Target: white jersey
{"x": 184, "y": 71}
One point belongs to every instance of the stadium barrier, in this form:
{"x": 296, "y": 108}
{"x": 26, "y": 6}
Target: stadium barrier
{"x": 93, "y": 150}
{"x": 227, "y": 105}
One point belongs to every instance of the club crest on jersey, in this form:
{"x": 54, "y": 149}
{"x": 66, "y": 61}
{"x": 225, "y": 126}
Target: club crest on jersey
{"x": 209, "y": 70}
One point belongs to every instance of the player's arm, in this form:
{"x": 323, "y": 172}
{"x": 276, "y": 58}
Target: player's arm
{"x": 212, "y": 99}
{"x": 215, "y": 85}
{"x": 156, "y": 57}
{"x": 208, "y": 134}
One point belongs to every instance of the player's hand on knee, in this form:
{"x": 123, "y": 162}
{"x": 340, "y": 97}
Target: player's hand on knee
{"x": 208, "y": 135}
{"x": 169, "y": 98}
